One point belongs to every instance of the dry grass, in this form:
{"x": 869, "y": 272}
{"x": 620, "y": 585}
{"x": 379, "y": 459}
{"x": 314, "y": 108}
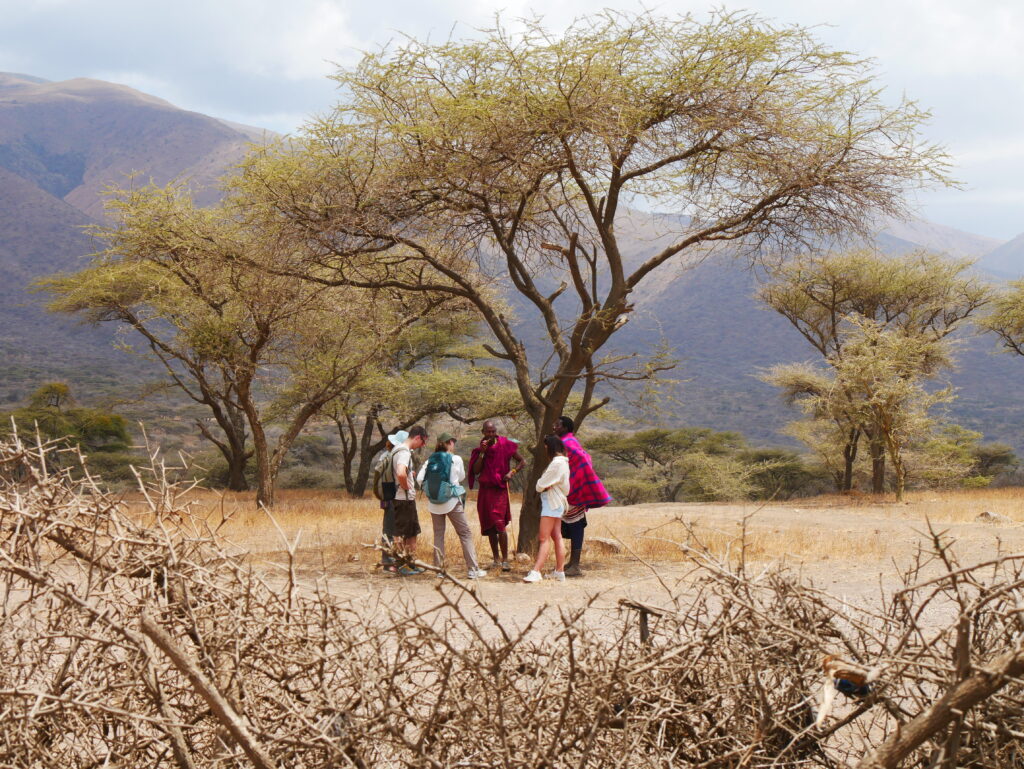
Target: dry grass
{"x": 333, "y": 529}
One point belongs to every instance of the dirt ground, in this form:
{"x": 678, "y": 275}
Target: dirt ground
{"x": 849, "y": 550}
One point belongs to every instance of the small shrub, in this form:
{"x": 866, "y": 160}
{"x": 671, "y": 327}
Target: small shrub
{"x": 308, "y": 478}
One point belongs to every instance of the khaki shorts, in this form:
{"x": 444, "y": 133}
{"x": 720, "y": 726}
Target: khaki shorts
{"x": 407, "y": 522}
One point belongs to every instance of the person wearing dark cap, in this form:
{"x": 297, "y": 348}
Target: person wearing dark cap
{"x": 441, "y": 479}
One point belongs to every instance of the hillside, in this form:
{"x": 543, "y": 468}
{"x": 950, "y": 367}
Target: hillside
{"x": 62, "y": 143}
{"x": 723, "y": 337}
{"x": 1007, "y": 260}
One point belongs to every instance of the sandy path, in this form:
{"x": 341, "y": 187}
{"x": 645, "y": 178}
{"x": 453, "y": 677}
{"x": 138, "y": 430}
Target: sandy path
{"x": 848, "y": 551}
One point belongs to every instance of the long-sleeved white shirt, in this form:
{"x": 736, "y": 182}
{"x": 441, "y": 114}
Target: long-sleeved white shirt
{"x": 554, "y": 483}
{"x": 455, "y": 478}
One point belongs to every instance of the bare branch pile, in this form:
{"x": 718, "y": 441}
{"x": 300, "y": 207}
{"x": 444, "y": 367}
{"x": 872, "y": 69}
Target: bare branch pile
{"x": 141, "y": 639}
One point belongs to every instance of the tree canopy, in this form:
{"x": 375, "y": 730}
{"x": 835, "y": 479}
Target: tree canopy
{"x": 506, "y": 163}
{"x": 836, "y": 298}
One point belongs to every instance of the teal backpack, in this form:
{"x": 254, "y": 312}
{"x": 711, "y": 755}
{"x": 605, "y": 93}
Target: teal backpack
{"x": 436, "y": 480}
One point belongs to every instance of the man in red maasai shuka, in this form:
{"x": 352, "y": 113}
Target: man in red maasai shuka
{"x": 489, "y": 466}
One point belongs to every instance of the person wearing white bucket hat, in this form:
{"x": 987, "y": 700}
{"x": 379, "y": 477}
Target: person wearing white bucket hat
{"x": 384, "y": 488}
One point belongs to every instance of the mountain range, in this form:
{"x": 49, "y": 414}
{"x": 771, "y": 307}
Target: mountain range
{"x": 62, "y": 143}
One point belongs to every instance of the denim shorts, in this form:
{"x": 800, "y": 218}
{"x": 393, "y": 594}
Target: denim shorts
{"x": 549, "y": 512}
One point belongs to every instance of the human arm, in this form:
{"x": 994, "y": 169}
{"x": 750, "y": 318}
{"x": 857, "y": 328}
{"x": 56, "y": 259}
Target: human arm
{"x": 477, "y": 460}
{"x": 403, "y": 461}
{"x": 518, "y": 459}
{"x": 458, "y": 473}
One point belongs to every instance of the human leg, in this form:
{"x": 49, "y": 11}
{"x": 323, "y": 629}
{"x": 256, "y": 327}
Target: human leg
{"x": 503, "y": 544}
{"x": 438, "y": 522}
{"x": 544, "y": 537}
{"x": 573, "y": 531}
{"x": 387, "y": 531}
{"x": 492, "y": 539}
{"x": 407, "y": 527}
{"x": 559, "y": 543}
{"x": 461, "y": 526}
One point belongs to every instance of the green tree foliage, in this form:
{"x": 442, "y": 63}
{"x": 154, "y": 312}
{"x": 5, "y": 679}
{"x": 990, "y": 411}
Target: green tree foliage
{"x": 101, "y": 435}
{"x": 826, "y": 296}
{"x": 693, "y": 464}
{"x": 509, "y": 160}
{"x": 877, "y": 383}
{"x": 253, "y": 347}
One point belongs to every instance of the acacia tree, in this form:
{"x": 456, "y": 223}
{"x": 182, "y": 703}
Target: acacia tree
{"x": 1006, "y": 319}
{"x": 252, "y": 346}
{"x": 877, "y": 383}
{"x": 919, "y": 294}
{"x": 508, "y": 162}
{"x": 433, "y": 368}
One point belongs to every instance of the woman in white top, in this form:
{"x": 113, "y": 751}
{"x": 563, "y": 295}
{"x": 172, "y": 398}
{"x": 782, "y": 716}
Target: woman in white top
{"x": 553, "y": 486}
{"x": 452, "y": 508}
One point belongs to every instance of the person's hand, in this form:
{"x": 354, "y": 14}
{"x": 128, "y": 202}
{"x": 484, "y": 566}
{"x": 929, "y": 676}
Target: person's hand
{"x": 509, "y": 474}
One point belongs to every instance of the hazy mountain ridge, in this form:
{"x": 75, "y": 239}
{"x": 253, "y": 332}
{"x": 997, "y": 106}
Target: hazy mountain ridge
{"x": 61, "y": 143}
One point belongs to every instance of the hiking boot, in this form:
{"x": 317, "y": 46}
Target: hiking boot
{"x": 573, "y": 570}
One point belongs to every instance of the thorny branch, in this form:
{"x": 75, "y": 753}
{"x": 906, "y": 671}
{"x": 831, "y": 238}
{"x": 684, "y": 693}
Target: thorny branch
{"x": 133, "y": 636}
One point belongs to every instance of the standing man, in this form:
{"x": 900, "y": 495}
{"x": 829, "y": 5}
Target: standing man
{"x": 585, "y": 491}
{"x": 490, "y": 466}
{"x": 407, "y": 524}
{"x": 384, "y": 489}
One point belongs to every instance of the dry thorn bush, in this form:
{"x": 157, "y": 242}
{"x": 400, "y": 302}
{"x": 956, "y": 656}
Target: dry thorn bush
{"x": 136, "y": 645}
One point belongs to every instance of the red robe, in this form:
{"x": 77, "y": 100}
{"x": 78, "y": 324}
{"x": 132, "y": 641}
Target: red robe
{"x": 492, "y": 503}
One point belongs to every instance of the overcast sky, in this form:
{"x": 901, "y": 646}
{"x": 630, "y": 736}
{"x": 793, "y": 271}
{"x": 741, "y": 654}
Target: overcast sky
{"x": 265, "y": 62}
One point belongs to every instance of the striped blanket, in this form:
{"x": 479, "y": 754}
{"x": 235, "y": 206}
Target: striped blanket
{"x": 585, "y": 488}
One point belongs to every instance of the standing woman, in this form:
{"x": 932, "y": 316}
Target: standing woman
{"x": 441, "y": 477}
{"x": 553, "y": 486}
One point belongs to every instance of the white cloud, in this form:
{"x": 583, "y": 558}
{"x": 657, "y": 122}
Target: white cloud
{"x": 264, "y": 62}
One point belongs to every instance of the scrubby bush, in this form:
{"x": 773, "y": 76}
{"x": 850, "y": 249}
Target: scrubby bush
{"x": 309, "y": 478}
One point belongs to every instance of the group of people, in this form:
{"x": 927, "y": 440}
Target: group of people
{"x": 568, "y": 488}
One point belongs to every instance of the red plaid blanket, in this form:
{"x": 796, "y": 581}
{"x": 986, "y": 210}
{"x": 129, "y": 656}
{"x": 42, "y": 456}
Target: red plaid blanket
{"x": 585, "y": 488}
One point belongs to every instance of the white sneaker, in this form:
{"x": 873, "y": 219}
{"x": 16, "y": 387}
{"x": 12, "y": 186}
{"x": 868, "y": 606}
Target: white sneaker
{"x": 533, "y": 576}
{"x": 558, "y": 575}
{"x": 477, "y": 574}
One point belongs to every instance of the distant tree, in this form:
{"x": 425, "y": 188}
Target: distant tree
{"x": 100, "y": 434}
{"x": 954, "y": 456}
{"x": 994, "y": 459}
{"x": 434, "y": 368}
{"x": 508, "y": 161}
{"x": 918, "y": 294}
{"x": 878, "y": 383}
{"x": 251, "y": 346}
{"x": 692, "y": 463}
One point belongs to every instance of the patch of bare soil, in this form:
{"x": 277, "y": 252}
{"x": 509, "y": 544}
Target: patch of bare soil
{"x": 849, "y": 550}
